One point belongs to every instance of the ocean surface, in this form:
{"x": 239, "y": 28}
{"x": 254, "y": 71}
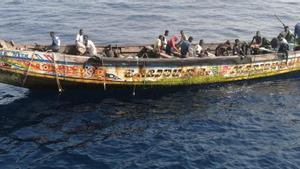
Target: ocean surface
{"x": 251, "y": 125}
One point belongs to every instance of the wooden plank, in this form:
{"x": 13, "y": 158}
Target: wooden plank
{"x": 163, "y": 55}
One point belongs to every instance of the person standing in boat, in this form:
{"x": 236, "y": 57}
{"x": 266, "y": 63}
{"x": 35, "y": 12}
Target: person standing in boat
{"x": 171, "y": 45}
{"x": 287, "y": 34}
{"x": 256, "y": 42}
{"x": 185, "y": 48}
{"x": 165, "y": 41}
{"x": 183, "y": 37}
{"x": 283, "y": 44}
{"x": 90, "y": 46}
{"x": 55, "y": 42}
{"x": 79, "y": 43}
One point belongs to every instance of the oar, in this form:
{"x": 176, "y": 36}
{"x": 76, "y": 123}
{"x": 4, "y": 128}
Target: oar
{"x": 60, "y": 89}
{"x": 279, "y": 20}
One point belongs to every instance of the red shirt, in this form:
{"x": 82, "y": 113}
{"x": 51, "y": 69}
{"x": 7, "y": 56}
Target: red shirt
{"x": 172, "y": 42}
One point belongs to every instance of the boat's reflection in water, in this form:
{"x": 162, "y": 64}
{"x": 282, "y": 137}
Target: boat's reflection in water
{"x": 114, "y": 125}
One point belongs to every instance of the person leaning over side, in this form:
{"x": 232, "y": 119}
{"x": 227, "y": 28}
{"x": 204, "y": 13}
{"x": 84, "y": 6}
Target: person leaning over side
{"x": 55, "y": 42}
{"x": 171, "y": 45}
{"x": 79, "y": 43}
{"x": 90, "y": 46}
{"x": 186, "y": 48}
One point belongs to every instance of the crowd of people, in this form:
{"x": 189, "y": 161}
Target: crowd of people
{"x": 84, "y": 45}
{"x": 181, "y": 46}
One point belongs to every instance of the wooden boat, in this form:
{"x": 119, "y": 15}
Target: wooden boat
{"x": 29, "y": 66}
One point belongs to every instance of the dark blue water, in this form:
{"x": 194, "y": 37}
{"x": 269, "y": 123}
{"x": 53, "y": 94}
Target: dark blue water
{"x": 236, "y": 125}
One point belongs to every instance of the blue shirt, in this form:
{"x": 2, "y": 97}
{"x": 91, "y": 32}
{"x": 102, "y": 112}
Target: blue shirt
{"x": 185, "y": 46}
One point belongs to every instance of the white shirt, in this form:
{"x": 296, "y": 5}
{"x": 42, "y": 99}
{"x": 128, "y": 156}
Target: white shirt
{"x": 165, "y": 42}
{"x": 79, "y": 38}
{"x": 198, "y": 49}
{"x": 284, "y": 41}
{"x": 157, "y": 45}
{"x": 92, "y": 48}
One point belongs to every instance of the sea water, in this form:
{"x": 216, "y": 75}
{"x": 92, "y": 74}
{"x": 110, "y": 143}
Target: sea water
{"x": 238, "y": 125}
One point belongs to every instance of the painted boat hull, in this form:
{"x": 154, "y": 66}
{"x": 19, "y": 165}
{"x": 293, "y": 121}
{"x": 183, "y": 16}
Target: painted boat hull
{"x": 45, "y": 70}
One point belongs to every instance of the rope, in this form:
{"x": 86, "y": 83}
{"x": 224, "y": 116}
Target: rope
{"x": 134, "y": 86}
{"x": 144, "y": 66}
{"x": 60, "y": 89}
{"x": 26, "y": 72}
{"x": 104, "y": 83}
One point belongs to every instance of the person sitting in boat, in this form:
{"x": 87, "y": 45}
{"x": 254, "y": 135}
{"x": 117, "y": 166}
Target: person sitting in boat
{"x": 223, "y": 49}
{"x": 256, "y": 42}
{"x": 237, "y": 47}
{"x": 109, "y": 51}
{"x": 55, "y": 42}
{"x": 90, "y": 46}
{"x": 79, "y": 43}
{"x": 199, "y": 48}
{"x": 165, "y": 37}
{"x": 158, "y": 45}
{"x": 287, "y": 34}
{"x": 171, "y": 45}
{"x": 186, "y": 48}
{"x": 265, "y": 43}
{"x": 274, "y": 43}
{"x": 265, "y": 46}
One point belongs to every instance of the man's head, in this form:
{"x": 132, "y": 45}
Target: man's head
{"x": 181, "y": 32}
{"x": 286, "y": 28}
{"x": 190, "y": 39}
{"x": 166, "y": 32}
{"x": 227, "y": 42}
{"x": 52, "y": 34}
{"x": 237, "y": 41}
{"x": 81, "y": 31}
{"x": 201, "y": 42}
{"x": 161, "y": 37}
{"x": 257, "y": 33}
